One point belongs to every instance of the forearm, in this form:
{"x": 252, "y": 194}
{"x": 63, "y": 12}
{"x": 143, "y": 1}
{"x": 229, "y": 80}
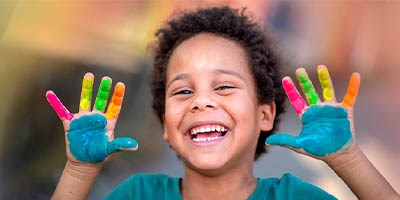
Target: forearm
{"x": 361, "y": 176}
{"x": 76, "y": 181}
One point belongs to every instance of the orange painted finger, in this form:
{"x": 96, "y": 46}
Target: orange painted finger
{"x": 352, "y": 90}
{"x": 114, "y": 107}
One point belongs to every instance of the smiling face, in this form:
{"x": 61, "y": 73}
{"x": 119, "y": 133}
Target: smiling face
{"x": 212, "y": 116}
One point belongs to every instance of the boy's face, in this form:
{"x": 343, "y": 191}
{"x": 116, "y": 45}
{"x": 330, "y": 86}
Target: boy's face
{"x": 212, "y": 115}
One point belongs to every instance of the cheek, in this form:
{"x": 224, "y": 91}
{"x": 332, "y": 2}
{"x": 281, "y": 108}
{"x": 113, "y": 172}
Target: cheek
{"x": 173, "y": 114}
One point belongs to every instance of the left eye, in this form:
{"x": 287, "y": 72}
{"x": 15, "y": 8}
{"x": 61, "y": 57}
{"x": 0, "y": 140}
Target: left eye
{"x": 224, "y": 87}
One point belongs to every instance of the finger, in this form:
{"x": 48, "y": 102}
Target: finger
{"x": 114, "y": 107}
{"x": 122, "y": 143}
{"x": 86, "y": 94}
{"x": 295, "y": 99}
{"x": 62, "y": 112}
{"x": 326, "y": 84}
{"x": 352, "y": 90}
{"x": 307, "y": 86}
{"x": 103, "y": 94}
{"x": 283, "y": 140}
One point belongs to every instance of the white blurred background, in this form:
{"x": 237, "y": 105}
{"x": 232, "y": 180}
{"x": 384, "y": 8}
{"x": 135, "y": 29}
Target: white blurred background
{"x": 51, "y": 44}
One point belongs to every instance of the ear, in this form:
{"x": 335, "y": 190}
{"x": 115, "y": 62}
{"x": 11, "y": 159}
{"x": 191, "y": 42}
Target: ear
{"x": 267, "y": 116}
{"x": 165, "y": 135}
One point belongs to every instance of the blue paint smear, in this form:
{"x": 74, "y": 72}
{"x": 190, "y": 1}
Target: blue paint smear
{"x": 326, "y": 130}
{"x": 88, "y": 141}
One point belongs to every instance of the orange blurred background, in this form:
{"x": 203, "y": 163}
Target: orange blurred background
{"x": 51, "y": 44}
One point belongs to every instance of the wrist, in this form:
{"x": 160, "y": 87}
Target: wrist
{"x": 83, "y": 171}
{"x": 348, "y": 159}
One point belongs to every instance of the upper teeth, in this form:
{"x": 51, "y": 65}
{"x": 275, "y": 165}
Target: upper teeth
{"x": 206, "y": 129}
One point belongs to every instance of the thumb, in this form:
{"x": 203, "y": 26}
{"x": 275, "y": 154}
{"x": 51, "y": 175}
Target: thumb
{"x": 122, "y": 143}
{"x": 283, "y": 140}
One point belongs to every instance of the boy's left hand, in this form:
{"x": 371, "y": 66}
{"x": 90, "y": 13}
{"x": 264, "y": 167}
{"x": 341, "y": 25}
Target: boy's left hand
{"x": 328, "y": 126}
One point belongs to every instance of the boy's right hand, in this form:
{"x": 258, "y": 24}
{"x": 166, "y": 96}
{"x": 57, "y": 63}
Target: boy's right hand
{"x": 89, "y": 134}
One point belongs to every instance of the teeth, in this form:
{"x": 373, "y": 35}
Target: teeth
{"x": 208, "y": 129}
{"x": 206, "y": 139}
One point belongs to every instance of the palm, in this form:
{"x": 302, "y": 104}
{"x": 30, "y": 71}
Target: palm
{"x": 327, "y": 127}
{"x": 90, "y": 134}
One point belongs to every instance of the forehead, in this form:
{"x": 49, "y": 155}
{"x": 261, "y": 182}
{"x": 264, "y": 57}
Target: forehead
{"x": 207, "y": 50}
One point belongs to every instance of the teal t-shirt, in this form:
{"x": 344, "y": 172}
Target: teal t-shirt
{"x": 160, "y": 186}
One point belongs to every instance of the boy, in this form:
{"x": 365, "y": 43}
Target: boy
{"x": 217, "y": 91}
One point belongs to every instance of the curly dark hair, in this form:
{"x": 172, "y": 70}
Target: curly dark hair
{"x": 231, "y": 24}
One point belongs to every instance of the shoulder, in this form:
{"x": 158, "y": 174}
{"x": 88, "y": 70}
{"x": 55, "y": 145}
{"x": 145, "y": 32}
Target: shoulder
{"x": 288, "y": 187}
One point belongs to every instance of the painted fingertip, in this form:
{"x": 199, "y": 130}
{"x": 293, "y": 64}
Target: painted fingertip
{"x": 282, "y": 140}
{"x": 352, "y": 90}
{"x": 87, "y": 89}
{"x": 114, "y": 107}
{"x": 58, "y": 107}
{"x": 307, "y": 87}
{"x": 294, "y": 97}
{"x": 325, "y": 81}
{"x": 103, "y": 93}
{"x": 122, "y": 143}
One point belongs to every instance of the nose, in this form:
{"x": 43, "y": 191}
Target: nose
{"x": 203, "y": 102}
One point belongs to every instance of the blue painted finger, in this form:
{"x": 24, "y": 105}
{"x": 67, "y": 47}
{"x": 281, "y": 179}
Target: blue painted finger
{"x": 121, "y": 143}
{"x": 283, "y": 140}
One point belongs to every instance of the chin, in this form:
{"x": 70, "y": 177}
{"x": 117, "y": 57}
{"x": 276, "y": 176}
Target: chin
{"x": 209, "y": 166}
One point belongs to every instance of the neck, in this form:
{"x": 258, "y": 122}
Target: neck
{"x": 231, "y": 184}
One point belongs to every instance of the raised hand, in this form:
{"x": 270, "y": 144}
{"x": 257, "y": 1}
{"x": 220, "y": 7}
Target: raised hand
{"x": 89, "y": 134}
{"x": 328, "y": 126}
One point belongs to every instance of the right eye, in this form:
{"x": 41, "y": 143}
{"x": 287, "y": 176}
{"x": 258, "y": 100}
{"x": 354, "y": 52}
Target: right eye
{"x": 184, "y": 92}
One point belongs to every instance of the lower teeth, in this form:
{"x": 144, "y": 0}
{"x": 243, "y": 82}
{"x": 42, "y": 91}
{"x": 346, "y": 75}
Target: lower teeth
{"x": 206, "y": 139}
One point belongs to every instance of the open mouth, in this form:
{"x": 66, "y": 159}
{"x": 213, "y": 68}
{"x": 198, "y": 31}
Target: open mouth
{"x": 208, "y": 133}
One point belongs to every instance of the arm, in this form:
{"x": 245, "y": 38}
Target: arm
{"x": 89, "y": 136}
{"x": 328, "y": 134}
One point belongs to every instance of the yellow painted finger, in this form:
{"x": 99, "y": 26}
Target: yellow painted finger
{"x": 86, "y": 93}
{"x": 326, "y": 83}
{"x": 114, "y": 107}
{"x": 352, "y": 90}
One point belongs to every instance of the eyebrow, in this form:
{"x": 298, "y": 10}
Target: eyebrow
{"x": 229, "y": 72}
{"x": 177, "y": 77}
{"x": 217, "y": 71}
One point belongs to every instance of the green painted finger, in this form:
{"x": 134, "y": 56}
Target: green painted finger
{"x": 102, "y": 94}
{"x": 86, "y": 94}
{"x": 307, "y": 87}
{"x": 326, "y": 84}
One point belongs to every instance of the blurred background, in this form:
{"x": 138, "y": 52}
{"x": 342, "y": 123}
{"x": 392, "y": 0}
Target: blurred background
{"x": 51, "y": 44}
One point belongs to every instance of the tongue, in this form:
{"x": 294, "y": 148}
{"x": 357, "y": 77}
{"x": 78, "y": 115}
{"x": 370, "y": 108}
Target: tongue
{"x": 209, "y": 134}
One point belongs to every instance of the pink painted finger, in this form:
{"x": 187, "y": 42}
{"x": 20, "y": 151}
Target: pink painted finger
{"x": 58, "y": 107}
{"x": 352, "y": 90}
{"x": 292, "y": 93}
